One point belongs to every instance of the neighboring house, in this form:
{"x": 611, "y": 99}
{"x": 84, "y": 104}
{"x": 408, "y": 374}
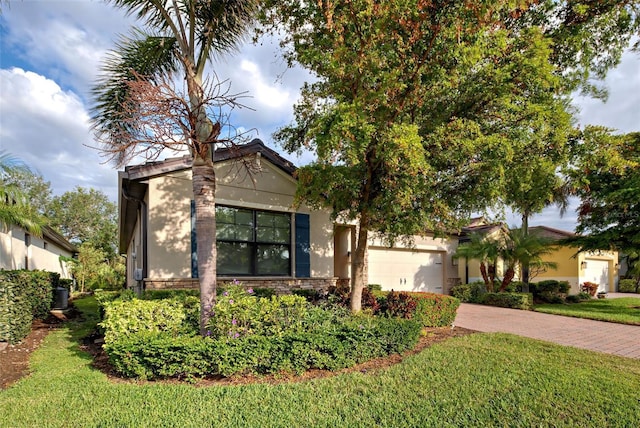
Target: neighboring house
{"x": 600, "y": 267}
{"x": 572, "y": 266}
{"x": 21, "y": 250}
{"x": 262, "y": 239}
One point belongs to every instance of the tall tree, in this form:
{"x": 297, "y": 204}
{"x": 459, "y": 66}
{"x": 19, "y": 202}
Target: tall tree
{"x": 415, "y": 111}
{"x": 85, "y": 216}
{"x": 33, "y": 186}
{"x": 179, "y": 39}
{"x": 606, "y": 177}
{"x": 14, "y": 202}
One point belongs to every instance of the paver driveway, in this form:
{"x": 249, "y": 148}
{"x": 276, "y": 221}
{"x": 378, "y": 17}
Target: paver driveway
{"x": 610, "y": 338}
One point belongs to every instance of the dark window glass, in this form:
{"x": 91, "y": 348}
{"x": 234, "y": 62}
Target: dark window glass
{"x": 253, "y": 242}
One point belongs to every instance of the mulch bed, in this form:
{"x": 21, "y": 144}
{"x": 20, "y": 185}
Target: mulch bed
{"x": 14, "y": 360}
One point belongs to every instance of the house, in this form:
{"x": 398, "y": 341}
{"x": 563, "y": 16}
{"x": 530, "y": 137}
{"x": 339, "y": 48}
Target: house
{"x": 572, "y": 266}
{"x": 262, "y": 239}
{"x": 21, "y": 250}
{"x": 600, "y": 267}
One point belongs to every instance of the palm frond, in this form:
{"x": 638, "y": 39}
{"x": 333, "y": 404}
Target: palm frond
{"x": 140, "y": 54}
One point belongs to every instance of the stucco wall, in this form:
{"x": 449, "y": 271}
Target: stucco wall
{"x": 15, "y": 254}
{"x": 169, "y": 205}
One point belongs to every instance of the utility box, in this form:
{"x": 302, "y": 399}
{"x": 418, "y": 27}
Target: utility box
{"x": 61, "y": 298}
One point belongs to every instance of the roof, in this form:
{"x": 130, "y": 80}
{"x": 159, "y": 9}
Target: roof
{"x": 156, "y": 168}
{"x": 551, "y": 233}
{"x": 132, "y": 183}
{"x": 54, "y": 237}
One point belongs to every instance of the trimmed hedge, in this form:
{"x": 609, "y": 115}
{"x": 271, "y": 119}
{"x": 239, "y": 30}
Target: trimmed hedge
{"x": 469, "y": 293}
{"x": 148, "y": 355}
{"x": 435, "y": 310}
{"x": 24, "y": 296}
{"x": 550, "y": 290}
{"x": 509, "y": 300}
{"x": 628, "y": 286}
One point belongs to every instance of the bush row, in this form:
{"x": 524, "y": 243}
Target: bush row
{"x": 149, "y": 355}
{"x": 158, "y": 338}
{"x": 509, "y": 300}
{"x": 24, "y": 296}
{"x": 629, "y": 286}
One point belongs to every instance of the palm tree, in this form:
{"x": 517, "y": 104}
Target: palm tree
{"x": 522, "y": 249}
{"x": 486, "y": 251}
{"x": 180, "y": 37}
{"x": 14, "y": 206}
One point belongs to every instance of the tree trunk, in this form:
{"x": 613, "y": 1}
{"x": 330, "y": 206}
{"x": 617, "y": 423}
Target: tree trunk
{"x": 485, "y": 277}
{"x": 525, "y": 264}
{"x": 204, "y": 187}
{"x": 508, "y": 277}
{"x": 358, "y": 267}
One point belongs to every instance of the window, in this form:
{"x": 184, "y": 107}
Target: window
{"x": 251, "y": 242}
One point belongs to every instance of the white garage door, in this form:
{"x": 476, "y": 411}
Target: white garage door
{"x": 597, "y": 271}
{"x": 405, "y": 270}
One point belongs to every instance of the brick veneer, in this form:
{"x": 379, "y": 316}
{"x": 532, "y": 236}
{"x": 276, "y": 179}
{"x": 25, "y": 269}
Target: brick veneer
{"x": 280, "y": 285}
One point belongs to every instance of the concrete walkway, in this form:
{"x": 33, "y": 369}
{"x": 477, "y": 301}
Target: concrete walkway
{"x": 610, "y": 338}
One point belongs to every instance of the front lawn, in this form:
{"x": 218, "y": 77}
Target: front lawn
{"x": 476, "y": 380}
{"x": 625, "y": 310}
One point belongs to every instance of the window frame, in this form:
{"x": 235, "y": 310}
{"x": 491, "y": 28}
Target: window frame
{"x": 254, "y": 244}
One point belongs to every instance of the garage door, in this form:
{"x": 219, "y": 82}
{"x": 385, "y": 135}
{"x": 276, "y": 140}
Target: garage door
{"x": 405, "y": 270}
{"x": 597, "y": 271}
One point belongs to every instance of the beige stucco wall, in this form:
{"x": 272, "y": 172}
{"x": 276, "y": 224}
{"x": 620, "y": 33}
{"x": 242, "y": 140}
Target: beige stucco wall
{"x": 14, "y": 254}
{"x": 169, "y": 205}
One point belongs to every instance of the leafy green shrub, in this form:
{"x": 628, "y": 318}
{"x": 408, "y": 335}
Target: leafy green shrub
{"x": 126, "y": 318}
{"x": 374, "y": 287}
{"x": 435, "y": 310}
{"x": 469, "y": 293}
{"x": 65, "y": 283}
{"x": 238, "y": 313}
{"x": 15, "y": 310}
{"x": 24, "y": 296}
{"x": 168, "y": 294}
{"x": 509, "y": 300}
{"x": 150, "y": 355}
{"x": 550, "y": 290}
{"x": 628, "y": 286}
{"x": 401, "y": 305}
{"x": 577, "y": 298}
{"x": 311, "y": 295}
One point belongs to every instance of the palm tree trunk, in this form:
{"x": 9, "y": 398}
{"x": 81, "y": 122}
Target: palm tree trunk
{"x": 204, "y": 187}
{"x": 508, "y": 277}
{"x": 485, "y": 277}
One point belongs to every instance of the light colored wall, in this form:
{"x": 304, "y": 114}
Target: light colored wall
{"x": 444, "y": 246}
{"x": 13, "y": 252}
{"x": 169, "y": 204}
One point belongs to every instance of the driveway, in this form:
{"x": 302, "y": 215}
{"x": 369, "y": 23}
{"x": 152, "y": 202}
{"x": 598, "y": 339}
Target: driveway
{"x": 610, "y": 338}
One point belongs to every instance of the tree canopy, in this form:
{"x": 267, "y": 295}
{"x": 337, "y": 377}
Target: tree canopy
{"x": 606, "y": 177}
{"x": 420, "y": 110}
{"x": 85, "y": 215}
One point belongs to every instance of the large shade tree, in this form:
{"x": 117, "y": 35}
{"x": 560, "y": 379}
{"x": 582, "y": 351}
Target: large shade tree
{"x": 417, "y": 109}
{"x": 138, "y": 112}
{"x": 606, "y": 176}
{"x": 85, "y": 215}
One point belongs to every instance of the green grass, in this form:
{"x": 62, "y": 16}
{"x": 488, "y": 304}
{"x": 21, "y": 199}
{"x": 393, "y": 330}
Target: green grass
{"x": 477, "y": 380}
{"x": 625, "y": 310}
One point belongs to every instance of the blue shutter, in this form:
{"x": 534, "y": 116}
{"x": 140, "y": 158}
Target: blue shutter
{"x": 303, "y": 246}
{"x": 194, "y": 245}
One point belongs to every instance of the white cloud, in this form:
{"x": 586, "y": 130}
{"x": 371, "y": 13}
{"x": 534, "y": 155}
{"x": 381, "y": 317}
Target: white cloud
{"x": 48, "y": 128}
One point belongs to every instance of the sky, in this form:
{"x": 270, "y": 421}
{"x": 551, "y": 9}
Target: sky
{"x": 50, "y": 56}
